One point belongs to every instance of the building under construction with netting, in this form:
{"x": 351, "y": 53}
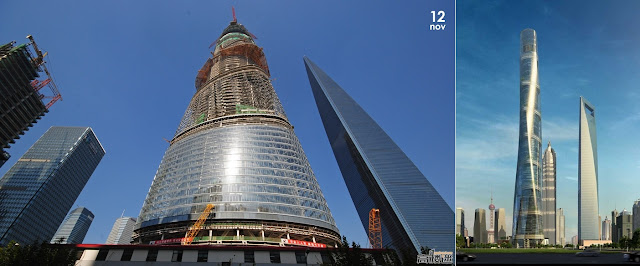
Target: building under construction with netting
{"x": 21, "y": 97}
{"x": 235, "y": 148}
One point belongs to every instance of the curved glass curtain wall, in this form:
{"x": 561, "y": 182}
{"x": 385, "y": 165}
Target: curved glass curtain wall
{"x": 527, "y": 218}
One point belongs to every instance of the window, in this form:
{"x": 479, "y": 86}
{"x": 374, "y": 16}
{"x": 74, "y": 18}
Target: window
{"x": 274, "y": 256}
{"x": 152, "y": 255}
{"x": 102, "y": 255}
{"x": 203, "y": 255}
{"x": 126, "y": 255}
{"x": 249, "y": 256}
{"x": 177, "y": 256}
{"x": 301, "y": 257}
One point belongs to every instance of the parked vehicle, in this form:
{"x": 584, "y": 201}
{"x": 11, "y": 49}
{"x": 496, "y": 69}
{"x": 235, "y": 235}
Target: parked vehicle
{"x": 588, "y": 253}
{"x": 461, "y": 256}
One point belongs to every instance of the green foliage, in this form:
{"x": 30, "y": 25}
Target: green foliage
{"x": 460, "y": 241}
{"x": 36, "y": 254}
{"x": 350, "y": 256}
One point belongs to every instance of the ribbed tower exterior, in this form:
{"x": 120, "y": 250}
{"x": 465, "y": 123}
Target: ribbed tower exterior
{"x": 549, "y": 194}
{"x": 236, "y": 149}
{"x": 527, "y": 202}
{"x": 588, "y": 220}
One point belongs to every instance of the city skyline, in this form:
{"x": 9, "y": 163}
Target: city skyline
{"x": 579, "y": 57}
{"x": 120, "y": 73}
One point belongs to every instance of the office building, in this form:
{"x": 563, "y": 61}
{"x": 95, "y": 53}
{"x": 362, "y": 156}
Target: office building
{"x": 527, "y": 208}
{"x": 379, "y": 174}
{"x": 549, "y": 194}
{"x": 39, "y": 190}
{"x": 235, "y": 148}
{"x": 624, "y": 225}
{"x": 122, "y": 231}
{"x": 21, "y": 102}
{"x": 606, "y": 229}
{"x": 614, "y": 226}
{"x": 480, "y": 227}
{"x": 74, "y": 227}
{"x": 636, "y": 215}
{"x": 500, "y": 228}
{"x": 560, "y": 239}
{"x": 588, "y": 222}
{"x": 459, "y": 221}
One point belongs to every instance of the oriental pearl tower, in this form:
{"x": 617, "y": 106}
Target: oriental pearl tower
{"x": 490, "y": 233}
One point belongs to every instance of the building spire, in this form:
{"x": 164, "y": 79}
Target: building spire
{"x": 233, "y": 11}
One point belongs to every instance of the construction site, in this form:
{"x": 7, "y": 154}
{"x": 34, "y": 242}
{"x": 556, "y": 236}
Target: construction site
{"x": 235, "y": 173}
{"x": 23, "y": 79}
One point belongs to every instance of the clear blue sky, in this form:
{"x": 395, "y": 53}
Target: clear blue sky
{"x": 585, "y": 48}
{"x": 127, "y": 69}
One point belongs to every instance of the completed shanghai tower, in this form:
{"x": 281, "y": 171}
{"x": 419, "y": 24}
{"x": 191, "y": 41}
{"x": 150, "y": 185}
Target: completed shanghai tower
{"x": 236, "y": 149}
{"x": 527, "y": 216}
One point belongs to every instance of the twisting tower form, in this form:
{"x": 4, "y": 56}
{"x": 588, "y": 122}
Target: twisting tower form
{"x": 236, "y": 149}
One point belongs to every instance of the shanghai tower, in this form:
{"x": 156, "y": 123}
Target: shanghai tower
{"x": 527, "y": 201}
{"x": 235, "y": 148}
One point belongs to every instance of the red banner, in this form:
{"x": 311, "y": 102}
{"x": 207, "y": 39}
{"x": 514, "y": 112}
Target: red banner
{"x": 166, "y": 241}
{"x": 304, "y": 243}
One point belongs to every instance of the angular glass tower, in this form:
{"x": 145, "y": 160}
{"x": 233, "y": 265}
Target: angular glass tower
{"x": 588, "y": 221}
{"x": 75, "y": 227}
{"x": 527, "y": 200}
{"x": 39, "y": 190}
{"x": 549, "y": 194}
{"x": 236, "y": 149}
{"x": 379, "y": 175}
{"x": 480, "y": 226}
{"x": 121, "y": 231}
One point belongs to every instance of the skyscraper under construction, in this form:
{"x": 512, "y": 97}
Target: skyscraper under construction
{"x": 236, "y": 149}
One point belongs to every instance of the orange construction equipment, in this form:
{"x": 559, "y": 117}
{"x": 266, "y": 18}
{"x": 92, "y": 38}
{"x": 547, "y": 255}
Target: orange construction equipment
{"x": 375, "y": 231}
{"x": 196, "y": 227}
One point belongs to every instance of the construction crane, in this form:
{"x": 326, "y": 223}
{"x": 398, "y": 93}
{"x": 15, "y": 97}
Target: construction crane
{"x": 196, "y": 227}
{"x": 375, "y": 231}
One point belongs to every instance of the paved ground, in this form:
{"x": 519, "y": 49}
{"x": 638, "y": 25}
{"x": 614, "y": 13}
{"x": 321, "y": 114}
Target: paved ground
{"x": 505, "y": 258}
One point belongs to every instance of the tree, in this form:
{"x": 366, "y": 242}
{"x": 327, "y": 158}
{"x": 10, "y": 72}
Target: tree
{"x": 344, "y": 255}
{"x": 36, "y": 254}
{"x": 460, "y": 241}
{"x": 635, "y": 241}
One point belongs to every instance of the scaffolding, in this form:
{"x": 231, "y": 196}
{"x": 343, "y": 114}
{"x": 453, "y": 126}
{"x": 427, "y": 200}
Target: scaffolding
{"x": 23, "y": 98}
{"x": 375, "y": 230}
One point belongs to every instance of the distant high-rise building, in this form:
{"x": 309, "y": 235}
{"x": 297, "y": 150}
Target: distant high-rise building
{"x": 588, "y": 222}
{"x": 500, "y": 228}
{"x": 606, "y": 229}
{"x": 74, "y": 228}
{"x": 379, "y": 174}
{"x": 614, "y": 226}
{"x": 549, "y": 194}
{"x": 527, "y": 216}
{"x": 491, "y": 237}
{"x": 466, "y": 232}
{"x": 121, "y": 231}
{"x": 574, "y": 240}
{"x": 624, "y": 225}
{"x": 20, "y": 92}
{"x": 39, "y": 189}
{"x": 459, "y": 221}
{"x": 480, "y": 226}
{"x": 636, "y": 215}
{"x": 236, "y": 149}
{"x": 560, "y": 239}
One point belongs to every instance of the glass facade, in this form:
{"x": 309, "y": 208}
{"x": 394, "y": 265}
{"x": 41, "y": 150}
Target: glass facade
{"x": 236, "y": 149}
{"x": 379, "y": 175}
{"x": 121, "y": 231}
{"x": 588, "y": 219}
{"x": 549, "y": 194}
{"x": 39, "y": 190}
{"x": 527, "y": 203}
{"x": 75, "y": 227}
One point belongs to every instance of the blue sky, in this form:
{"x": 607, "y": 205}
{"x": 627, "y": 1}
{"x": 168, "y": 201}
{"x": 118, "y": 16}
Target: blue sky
{"x": 127, "y": 70}
{"x": 585, "y": 48}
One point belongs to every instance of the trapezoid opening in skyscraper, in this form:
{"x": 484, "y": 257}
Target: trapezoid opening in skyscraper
{"x": 235, "y": 148}
{"x": 379, "y": 175}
